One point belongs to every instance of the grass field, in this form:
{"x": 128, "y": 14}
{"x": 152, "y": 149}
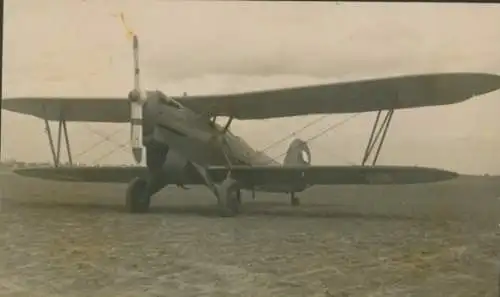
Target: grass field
{"x": 64, "y": 239}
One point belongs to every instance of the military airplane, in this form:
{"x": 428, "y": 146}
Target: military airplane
{"x": 185, "y": 146}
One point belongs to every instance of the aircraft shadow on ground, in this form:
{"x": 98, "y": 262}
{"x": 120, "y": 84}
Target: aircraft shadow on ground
{"x": 248, "y": 210}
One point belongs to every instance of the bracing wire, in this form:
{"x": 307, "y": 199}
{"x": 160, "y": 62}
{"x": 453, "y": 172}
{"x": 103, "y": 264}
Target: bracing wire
{"x": 333, "y": 126}
{"x": 96, "y": 144}
{"x": 309, "y": 140}
{"x": 129, "y": 34}
{"x": 105, "y": 138}
{"x": 324, "y": 131}
{"x": 269, "y": 146}
{"x": 121, "y": 146}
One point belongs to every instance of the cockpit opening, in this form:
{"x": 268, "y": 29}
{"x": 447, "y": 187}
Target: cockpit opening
{"x": 168, "y": 101}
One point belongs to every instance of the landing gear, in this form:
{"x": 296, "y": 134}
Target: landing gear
{"x": 294, "y": 200}
{"x": 229, "y": 199}
{"x": 137, "y": 198}
{"x": 140, "y": 190}
{"x": 238, "y": 196}
{"x": 228, "y": 193}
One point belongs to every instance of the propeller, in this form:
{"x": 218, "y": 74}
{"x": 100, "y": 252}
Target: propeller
{"x": 137, "y": 99}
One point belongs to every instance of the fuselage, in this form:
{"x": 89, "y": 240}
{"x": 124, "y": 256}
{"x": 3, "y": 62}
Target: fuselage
{"x": 199, "y": 138}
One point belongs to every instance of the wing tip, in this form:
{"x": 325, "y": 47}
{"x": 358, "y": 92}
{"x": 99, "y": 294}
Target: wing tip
{"x": 481, "y": 83}
{"x": 432, "y": 175}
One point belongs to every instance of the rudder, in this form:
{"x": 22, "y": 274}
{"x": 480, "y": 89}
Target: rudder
{"x": 295, "y": 153}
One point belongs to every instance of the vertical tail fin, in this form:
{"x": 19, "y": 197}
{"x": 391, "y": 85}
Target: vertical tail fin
{"x": 298, "y": 153}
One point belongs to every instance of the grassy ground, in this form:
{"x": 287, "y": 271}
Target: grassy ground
{"x": 63, "y": 239}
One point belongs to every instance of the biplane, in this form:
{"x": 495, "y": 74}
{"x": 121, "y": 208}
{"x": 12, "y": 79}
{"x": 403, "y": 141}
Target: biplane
{"x": 184, "y": 145}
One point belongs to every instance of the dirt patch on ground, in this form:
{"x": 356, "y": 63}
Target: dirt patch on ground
{"x": 64, "y": 239}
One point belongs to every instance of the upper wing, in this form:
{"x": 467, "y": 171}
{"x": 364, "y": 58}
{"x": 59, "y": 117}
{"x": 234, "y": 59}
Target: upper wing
{"x": 76, "y": 109}
{"x": 349, "y": 97}
{"x": 345, "y": 97}
{"x": 253, "y": 176}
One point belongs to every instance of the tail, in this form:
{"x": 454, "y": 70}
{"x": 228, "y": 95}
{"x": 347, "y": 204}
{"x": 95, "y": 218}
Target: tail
{"x": 298, "y": 153}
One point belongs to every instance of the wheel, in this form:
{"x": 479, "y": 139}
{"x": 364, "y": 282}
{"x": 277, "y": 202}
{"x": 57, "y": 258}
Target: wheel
{"x": 238, "y": 196}
{"x": 137, "y": 198}
{"x": 229, "y": 202}
{"x": 294, "y": 200}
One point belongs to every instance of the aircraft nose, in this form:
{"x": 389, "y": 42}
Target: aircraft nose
{"x": 134, "y": 96}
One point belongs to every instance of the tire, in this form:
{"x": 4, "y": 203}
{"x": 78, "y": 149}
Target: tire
{"x": 229, "y": 203}
{"x": 294, "y": 200}
{"x": 137, "y": 199}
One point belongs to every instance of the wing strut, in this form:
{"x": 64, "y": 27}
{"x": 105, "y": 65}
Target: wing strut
{"x": 228, "y": 124}
{"x": 375, "y": 135}
{"x": 224, "y": 146}
{"x": 56, "y": 154}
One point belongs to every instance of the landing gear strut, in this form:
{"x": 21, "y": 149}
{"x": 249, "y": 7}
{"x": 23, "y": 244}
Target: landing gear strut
{"x": 294, "y": 200}
{"x": 227, "y": 193}
{"x": 229, "y": 198}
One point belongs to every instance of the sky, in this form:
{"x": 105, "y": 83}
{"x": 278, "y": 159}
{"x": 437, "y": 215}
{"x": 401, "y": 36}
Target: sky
{"x": 80, "y": 48}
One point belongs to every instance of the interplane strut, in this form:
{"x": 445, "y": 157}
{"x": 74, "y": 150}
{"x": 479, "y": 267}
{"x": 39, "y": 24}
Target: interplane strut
{"x": 56, "y": 150}
{"x": 375, "y": 134}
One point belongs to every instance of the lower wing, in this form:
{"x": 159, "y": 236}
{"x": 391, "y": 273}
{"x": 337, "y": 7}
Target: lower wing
{"x": 255, "y": 176}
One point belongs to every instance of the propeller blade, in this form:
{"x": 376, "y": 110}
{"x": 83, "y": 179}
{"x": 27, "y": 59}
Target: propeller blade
{"x": 137, "y": 98}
